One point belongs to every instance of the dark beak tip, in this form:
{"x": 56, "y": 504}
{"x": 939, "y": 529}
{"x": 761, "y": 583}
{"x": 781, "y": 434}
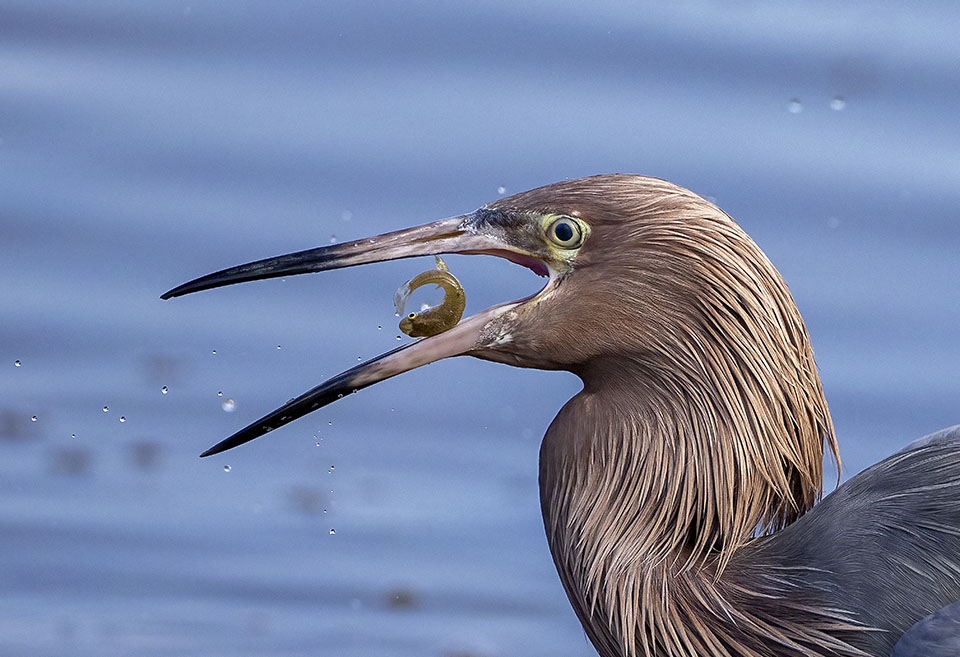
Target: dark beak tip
{"x": 186, "y": 288}
{"x": 229, "y": 443}
{"x": 222, "y": 446}
{"x": 176, "y": 291}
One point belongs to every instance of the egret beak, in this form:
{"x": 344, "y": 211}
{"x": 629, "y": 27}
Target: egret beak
{"x": 473, "y": 334}
{"x": 445, "y": 236}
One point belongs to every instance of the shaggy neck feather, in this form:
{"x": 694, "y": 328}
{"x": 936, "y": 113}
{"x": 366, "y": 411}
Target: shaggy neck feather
{"x": 646, "y": 504}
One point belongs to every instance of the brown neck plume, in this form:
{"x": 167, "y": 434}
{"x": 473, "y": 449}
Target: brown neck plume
{"x": 703, "y": 427}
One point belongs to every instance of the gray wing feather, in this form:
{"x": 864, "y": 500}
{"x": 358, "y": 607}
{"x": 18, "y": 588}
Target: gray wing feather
{"x": 948, "y": 435}
{"x": 937, "y": 635}
{"x": 884, "y": 549}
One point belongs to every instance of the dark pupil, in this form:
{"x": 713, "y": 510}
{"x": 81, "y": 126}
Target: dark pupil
{"x": 563, "y": 231}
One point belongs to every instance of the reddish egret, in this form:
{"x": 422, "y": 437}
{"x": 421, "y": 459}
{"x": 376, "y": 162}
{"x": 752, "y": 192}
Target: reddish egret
{"x": 678, "y": 487}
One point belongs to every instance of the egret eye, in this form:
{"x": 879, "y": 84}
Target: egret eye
{"x": 565, "y": 232}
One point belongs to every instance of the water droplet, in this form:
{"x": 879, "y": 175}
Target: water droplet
{"x": 330, "y": 423}
{"x": 164, "y": 390}
{"x": 795, "y": 106}
{"x": 359, "y": 358}
{"x": 318, "y": 443}
{"x": 330, "y": 471}
{"x": 16, "y": 363}
{"x": 123, "y": 419}
{"x": 379, "y": 328}
{"x": 220, "y": 393}
{"x": 226, "y": 468}
{"x": 106, "y": 409}
{"x": 333, "y": 531}
{"x": 214, "y": 352}
{"x": 399, "y": 338}
{"x": 73, "y": 435}
{"x": 333, "y": 238}
{"x": 324, "y": 510}
{"x": 278, "y": 346}
{"x": 33, "y": 419}
{"x": 228, "y": 405}
{"x": 838, "y": 103}
{"x": 392, "y": 410}
{"x": 501, "y": 190}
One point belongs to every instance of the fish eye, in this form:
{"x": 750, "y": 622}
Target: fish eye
{"x": 565, "y": 232}
{"x": 412, "y": 315}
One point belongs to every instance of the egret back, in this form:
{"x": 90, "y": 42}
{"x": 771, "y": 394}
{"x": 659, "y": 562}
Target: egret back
{"x": 883, "y": 549}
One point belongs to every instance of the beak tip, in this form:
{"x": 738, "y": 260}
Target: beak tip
{"x": 211, "y": 451}
{"x": 182, "y": 289}
{"x": 172, "y": 292}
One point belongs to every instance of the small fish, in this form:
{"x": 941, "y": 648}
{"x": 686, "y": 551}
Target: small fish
{"x": 441, "y": 317}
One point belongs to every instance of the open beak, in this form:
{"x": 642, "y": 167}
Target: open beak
{"x": 471, "y": 335}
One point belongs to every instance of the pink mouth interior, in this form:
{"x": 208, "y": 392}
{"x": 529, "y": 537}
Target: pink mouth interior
{"x": 534, "y": 265}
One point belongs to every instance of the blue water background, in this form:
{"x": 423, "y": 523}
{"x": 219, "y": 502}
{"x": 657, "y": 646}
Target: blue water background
{"x": 145, "y": 143}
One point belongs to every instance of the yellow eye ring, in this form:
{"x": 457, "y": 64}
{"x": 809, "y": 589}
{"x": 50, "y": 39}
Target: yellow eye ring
{"x": 565, "y": 232}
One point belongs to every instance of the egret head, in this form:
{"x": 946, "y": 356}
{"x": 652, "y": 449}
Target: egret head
{"x": 650, "y": 287}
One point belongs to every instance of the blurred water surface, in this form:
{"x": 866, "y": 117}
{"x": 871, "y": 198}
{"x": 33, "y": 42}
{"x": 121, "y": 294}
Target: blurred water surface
{"x": 143, "y": 144}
